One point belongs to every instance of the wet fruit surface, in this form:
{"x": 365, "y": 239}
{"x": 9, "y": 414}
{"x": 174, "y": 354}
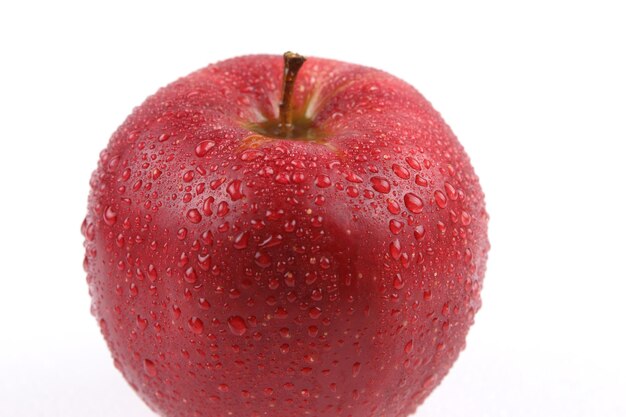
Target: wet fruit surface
{"x": 236, "y": 274}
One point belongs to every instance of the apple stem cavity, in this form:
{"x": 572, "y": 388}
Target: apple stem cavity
{"x": 293, "y": 63}
{"x": 292, "y": 122}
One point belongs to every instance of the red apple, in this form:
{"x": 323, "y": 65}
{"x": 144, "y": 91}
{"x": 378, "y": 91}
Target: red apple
{"x": 261, "y": 244}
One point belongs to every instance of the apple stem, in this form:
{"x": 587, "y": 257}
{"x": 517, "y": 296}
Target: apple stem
{"x": 293, "y": 62}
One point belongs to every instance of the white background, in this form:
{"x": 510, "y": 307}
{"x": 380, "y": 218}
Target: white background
{"x": 535, "y": 90}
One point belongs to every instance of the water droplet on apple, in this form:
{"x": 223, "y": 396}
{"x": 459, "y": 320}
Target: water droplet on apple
{"x": 109, "y": 216}
{"x": 398, "y": 282}
{"x": 441, "y": 226}
{"x": 251, "y": 155}
{"x": 421, "y": 181}
{"x": 190, "y": 275}
{"x": 289, "y": 226}
{"x": 413, "y": 203}
{"x": 450, "y": 191}
{"x": 429, "y": 382}
{"x": 310, "y": 278}
{"x": 419, "y": 232}
{"x": 196, "y": 325}
{"x": 262, "y": 259}
{"x": 352, "y": 177}
{"x": 90, "y": 232}
{"x": 142, "y": 323}
{"x": 152, "y": 273}
{"x": 393, "y": 206}
{"x": 188, "y": 176}
{"x": 126, "y": 174}
{"x": 134, "y": 135}
{"x": 395, "y": 249}
{"x": 134, "y": 291}
{"x": 317, "y": 221}
{"x": 381, "y": 185}
{"x": 183, "y": 260}
{"x": 324, "y": 262}
{"x": 241, "y": 240}
{"x": 204, "y": 147}
{"x": 282, "y": 178}
{"x": 413, "y": 163}
{"x": 322, "y": 181}
{"x": 234, "y": 190}
{"x": 468, "y": 255}
{"x": 440, "y": 199}
{"x": 466, "y": 218}
{"x": 298, "y": 177}
{"x": 271, "y": 241}
{"x": 149, "y": 367}
{"x": 316, "y": 294}
{"x": 400, "y": 171}
{"x": 222, "y": 209}
{"x": 194, "y": 216}
{"x": 395, "y": 226}
{"x": 237, "y": 325}
{"x": 204, "y": 304}
{"x": 274, "y": 214}
{"x": 315, "y": 312}
{"x": 408, "y": 347}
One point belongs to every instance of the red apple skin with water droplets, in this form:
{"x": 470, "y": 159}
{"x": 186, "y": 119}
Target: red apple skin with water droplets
{"x": 235, "y": 274}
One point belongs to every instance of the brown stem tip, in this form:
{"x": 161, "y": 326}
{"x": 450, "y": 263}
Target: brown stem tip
{"x": 293, "y": 63}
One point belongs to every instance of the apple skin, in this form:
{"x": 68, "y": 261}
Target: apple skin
{"x": 234, "y": 274}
